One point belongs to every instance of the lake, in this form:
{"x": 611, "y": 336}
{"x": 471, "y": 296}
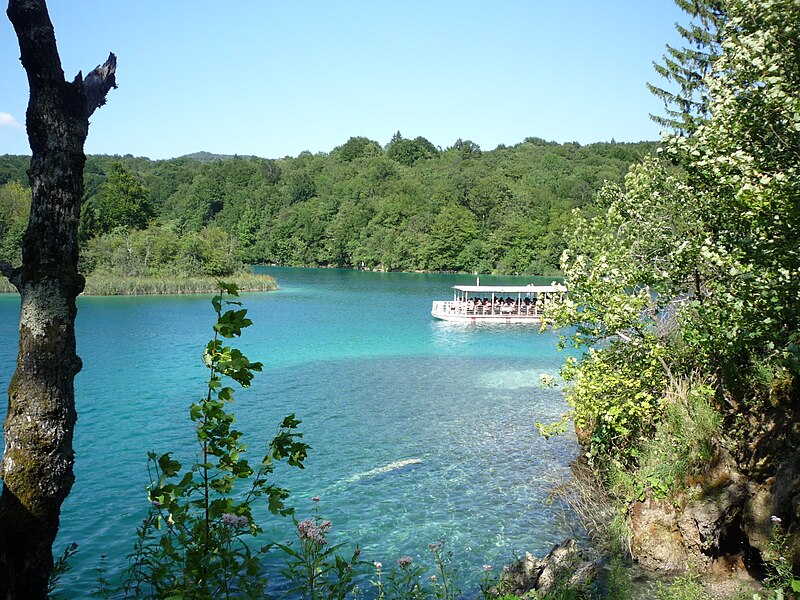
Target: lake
{"x": 375, "y": 380}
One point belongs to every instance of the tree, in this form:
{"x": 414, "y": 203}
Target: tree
{"x": 37, "y": 466}
{"x": 466, "y": 148}
{"x": 627, "y": 269}
{"x": 452, "y": 229}
{"x": 407, "y": 152}
{"x": 687, "y": 67}
{"x": 15, "y": 207}
{"x": 697, "y": 271}
{"x": 122, "y": 203}
{"x": 358, "y": 147}
{"x": 742, "y": 166}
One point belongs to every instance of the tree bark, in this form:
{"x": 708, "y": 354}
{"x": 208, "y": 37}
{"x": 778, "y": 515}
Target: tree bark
{"x": 37, "y": 464}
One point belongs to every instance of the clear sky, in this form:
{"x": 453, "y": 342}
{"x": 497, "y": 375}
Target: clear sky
{"x": 275, "y": 78}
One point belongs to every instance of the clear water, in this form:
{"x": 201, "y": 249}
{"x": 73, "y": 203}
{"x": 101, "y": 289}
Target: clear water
{"x": 375, "y": 381}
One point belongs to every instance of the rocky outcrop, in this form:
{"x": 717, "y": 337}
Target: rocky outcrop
{"x": 656, "y": 541}
{"x": 564, "y": 567}
{"x": 721, "y": 522}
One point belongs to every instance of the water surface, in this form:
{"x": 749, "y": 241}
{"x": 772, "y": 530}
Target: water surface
{"x": 375, "y": 380}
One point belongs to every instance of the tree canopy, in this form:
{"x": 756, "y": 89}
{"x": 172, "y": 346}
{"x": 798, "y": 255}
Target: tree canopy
{"x": 410, "y": 206}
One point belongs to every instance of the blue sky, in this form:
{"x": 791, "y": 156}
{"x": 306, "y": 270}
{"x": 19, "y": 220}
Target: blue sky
{"x": 277, "y": 78}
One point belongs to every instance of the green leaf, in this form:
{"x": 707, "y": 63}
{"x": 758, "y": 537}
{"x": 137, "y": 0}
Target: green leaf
{"x": 229, "y": 288}
{"x": 168, "y": 466}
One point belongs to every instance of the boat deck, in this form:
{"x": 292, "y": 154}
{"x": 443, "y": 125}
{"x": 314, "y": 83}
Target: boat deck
{"x": 497, "y": 304}
{"x": 450, "y": 310}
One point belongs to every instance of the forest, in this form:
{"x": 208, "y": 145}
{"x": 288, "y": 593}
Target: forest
{"x": 405, "y": 206}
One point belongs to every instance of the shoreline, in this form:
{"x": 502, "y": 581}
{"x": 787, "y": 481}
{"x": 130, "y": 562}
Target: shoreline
{"x": 105, "y": 285}
{"x": 112, "y": 285}
{"x": 381, "y": 269}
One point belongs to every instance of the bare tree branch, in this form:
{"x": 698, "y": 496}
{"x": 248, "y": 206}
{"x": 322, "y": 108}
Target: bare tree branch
{"x": 99, "y": 82}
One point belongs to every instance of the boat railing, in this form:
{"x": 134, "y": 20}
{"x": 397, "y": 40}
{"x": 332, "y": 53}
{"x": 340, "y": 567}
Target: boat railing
{"x": 468, "y": 309}
{"x": 444, "y": 307}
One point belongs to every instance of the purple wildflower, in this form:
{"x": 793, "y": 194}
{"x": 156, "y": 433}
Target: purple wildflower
{"x": 487, "y": 568}
{"x": 306, "y": 528}
{"x": 405, "y": 561}
{"x": 378, "y": 565}
{"x": 315, "y": 499}
{"x": 437, "y": 547}
{"x": 308, "y": 531}
{"x": 230, "y": 519}
{"x": 775, "y": 519}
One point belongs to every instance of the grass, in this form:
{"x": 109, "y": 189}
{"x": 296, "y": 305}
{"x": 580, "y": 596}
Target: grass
{"x": 110, "y": 285}
{"x": 683, "y": 444}
{"x": 603, "y": 517}
{"x": 684, "y": 587}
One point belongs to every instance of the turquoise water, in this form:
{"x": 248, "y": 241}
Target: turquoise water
{"x": 375, "y": 381}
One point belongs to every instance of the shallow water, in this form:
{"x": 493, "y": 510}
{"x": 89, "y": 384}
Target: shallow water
{"x": 421, "y": 430}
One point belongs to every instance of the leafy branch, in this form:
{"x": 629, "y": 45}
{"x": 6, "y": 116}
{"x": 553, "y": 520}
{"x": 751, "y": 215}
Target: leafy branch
{"x": 198, "y": 538}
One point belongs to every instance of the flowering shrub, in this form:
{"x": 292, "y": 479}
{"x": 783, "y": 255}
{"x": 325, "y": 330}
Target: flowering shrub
{"x": 314, "y": 568}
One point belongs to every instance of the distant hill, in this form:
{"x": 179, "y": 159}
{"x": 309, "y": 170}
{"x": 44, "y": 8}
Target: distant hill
{"x": 209, "y": 157}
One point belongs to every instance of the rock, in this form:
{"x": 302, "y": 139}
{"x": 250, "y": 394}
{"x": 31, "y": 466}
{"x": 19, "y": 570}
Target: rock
{"x": 786, "y": 504}
{"x": 521, "y": 576}
{"x": 786, "y": 490}
{"x": 708, "y": 525}
{"x": 757, "y": 516}
{"x": 563, "y": 567}
{"x": 656, "y": 540}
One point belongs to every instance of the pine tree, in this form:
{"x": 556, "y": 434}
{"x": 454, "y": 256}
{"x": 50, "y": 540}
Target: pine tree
{"x": 686, "y": 67}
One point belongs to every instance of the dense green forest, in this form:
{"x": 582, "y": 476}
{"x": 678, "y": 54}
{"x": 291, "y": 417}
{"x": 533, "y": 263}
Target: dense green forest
{"x": 406, "y": 206}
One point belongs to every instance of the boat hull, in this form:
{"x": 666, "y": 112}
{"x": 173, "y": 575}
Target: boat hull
{"x": 490, "y": 319}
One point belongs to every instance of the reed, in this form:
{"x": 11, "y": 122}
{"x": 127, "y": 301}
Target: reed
{"x": 113, "y": 285}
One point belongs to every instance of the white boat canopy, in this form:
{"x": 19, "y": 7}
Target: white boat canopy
{"x": 510, "y": 289}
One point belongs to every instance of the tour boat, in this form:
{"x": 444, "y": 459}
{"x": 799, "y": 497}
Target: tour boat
{"x": 498, "y": 303}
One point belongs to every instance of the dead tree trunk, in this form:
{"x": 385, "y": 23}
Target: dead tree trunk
{"x": 37, "y": 465}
